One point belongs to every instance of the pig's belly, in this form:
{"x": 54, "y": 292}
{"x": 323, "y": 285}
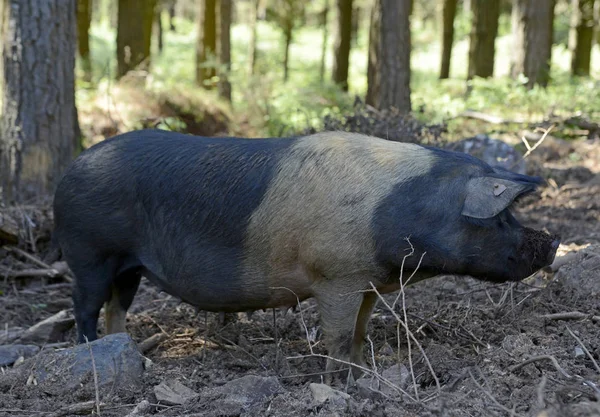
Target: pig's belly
{"x": 221, "y": 288}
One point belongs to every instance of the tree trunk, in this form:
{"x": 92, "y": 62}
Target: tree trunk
{"x": 134, "y": 33}
{"x": 224, "y": 48}
{"x": 84, "y": 19}
{"x": 388, "y": 71}
{"x": 38, "y": 125}
{"x": 581, "y": 36}
{"x": 252, "y": 42}
{"x": 206, "y": 45}
{"x": 324, "y": 15}
{"x": 159, "y": 29}
{"x": 287, "y": 34}
{"x": 172, "y": 15}
{"x": 532, "y": 22}
{"x": 356, "y": 15}
{"x": 448, "y": 14}
{"x": 342, "y": 43}
{"x": 482, "y": 39}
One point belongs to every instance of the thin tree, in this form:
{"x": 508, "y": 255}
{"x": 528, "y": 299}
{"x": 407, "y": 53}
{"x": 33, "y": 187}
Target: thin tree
{"x": 581, "y": 36}
{"x": 287, "y": 14}
{"x": 324, "y": 16}
{"x": 388, "y": 72}
{"x": 532, "y": 22}
{"x": 448, "y": 15}
{"x": 224, "y": 49}
{"x": 38, "y": 129}
{"x": 84, "y": 20}
{"x": 342, "y": 43}
{"x": 134, "y": 33}
{"x": 482, "y": 39}
{"x": 252, "y": 51}
{"x": 206, "y": 44}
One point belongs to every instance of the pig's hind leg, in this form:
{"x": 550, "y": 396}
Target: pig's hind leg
{"x": 92, "y": 288}
{"x": 122, "y": 292}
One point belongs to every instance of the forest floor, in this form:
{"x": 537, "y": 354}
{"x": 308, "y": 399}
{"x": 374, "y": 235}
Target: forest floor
{"x": 485, "y": 349}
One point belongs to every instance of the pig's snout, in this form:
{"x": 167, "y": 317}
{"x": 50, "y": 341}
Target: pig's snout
{"x": 553, "y": 248}
{"x": 538, "y": 249}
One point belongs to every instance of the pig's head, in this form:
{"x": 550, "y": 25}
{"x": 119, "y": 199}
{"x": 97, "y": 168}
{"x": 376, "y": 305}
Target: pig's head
{"x": 496, "y": 245}
{"x": 460, "y": 215}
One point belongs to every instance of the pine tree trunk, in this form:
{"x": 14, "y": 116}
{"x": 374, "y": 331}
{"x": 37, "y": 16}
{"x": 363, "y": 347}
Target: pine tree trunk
{"x": 482, "y": 40}
{"x": 159, "y": 29}
{"x": 532, "y": 22}
{"x": 84, "y": 19}
{"x": 324, "y": 16}
{"x": 38, "y": 128}
{"x": 206, "y": 45}
{"x": 448, "y": 14}
{"x": 252, "y": 42}
{"x": 172, "y": 15}
{"x": 286, "y": 53}
{"x": 225, "y": 48}
{"x": 388, "y": 71}
{"x": 342, "y": 43}
{"x": 581, "y": 36}
{"x": 134, "y": 33}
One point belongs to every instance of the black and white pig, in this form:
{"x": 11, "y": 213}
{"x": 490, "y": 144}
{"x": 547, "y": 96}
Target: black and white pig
{"x": 231, "y": 224}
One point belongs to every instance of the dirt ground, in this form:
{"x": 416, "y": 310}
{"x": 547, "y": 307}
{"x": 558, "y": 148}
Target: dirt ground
{"x": 495, "y": 350}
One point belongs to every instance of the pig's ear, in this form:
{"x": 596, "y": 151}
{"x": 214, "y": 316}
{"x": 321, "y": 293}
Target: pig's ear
{"x": 488, "y": 196}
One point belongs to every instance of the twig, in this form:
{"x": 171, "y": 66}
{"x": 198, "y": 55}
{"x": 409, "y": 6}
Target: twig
{"x": 542, "y": 358}
{"x": 570, "y": 315}
{"x": 78, "y": 408}
{"x": 488, "y": 118}
{"x": 28, "y": 256}
{"x": 412, "y": 336}
{"x": 95, "y": 375}
{"x": 534, "y": 147}
{"x": 587, "y": 352}
{"x": 151, "y": 342}
{"x": 540, "y": 392}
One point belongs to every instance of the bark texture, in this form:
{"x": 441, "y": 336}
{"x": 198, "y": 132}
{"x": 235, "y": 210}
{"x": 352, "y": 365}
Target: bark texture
{"x": 38, "y": 128}
{"x": 581, "y": 36}
{"x": 225, "y": 48}
{"x": 532, "y": 22}
{"x": 206, "y": 45}
{"x": 388, "y": 72}
{"x": 448, "y": 14}
{"x": 482, "y": 39}
{"x": 84, "y": 19}
{"x": 134, "y": 33}
{"x": 342, "y": 43}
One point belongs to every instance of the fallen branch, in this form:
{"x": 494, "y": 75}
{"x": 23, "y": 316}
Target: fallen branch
{"x": 570, "y": 315}
{"x": 80, "y": 408}
{"x": 151, "y": 342}
{"x": 542, "y": 358}
{"x": 488, "y": 118}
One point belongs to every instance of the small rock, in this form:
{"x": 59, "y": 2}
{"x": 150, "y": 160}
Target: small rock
{"x": 143, "y": 408}
{"x": 369, "y": 388}
{"x": 173, "y": 392}
{"x": 250, "y": 389}
{"x": 322, "y": 393}
{"x": 579, "y": 352}
{"x": 386, "y": 350}
{"x": 9, "y": 354}
{"x": 398, "y": 376}
{"x": 118, "y": 364}
{"x": 492, "y": 151}
{"x": 48, "y": 331}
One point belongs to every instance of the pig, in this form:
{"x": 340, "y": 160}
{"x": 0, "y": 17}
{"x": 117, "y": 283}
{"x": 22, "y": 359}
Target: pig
{"x": 236, "y": 224}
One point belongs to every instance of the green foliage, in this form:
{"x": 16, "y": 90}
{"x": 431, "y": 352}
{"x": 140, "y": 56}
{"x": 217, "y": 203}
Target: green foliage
{"x": 264, "y": 105}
